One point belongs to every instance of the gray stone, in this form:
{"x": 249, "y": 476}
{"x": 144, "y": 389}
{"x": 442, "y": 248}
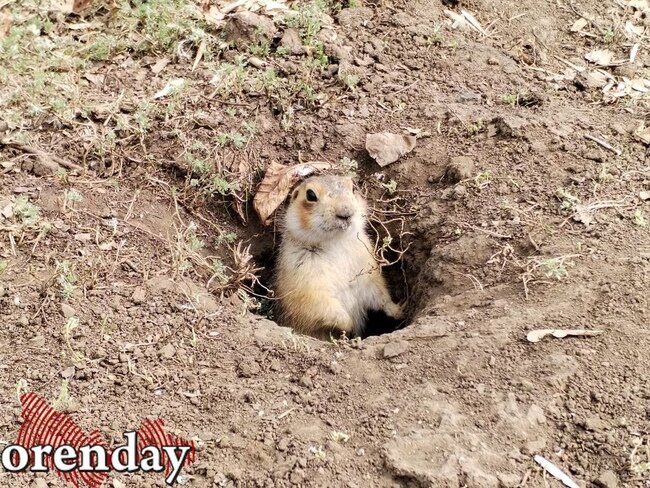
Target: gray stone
{"x": 67, "y": 310}
{"x": 394, "y": 349}
{"x": 607, "y": 479}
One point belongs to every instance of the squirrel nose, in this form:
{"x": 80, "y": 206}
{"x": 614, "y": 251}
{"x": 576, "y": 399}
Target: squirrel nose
{"x": 344, "y": 213}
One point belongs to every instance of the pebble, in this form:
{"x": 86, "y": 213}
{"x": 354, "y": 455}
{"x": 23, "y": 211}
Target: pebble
{"x": 68, "y": 372}
{"x": 393, "y": 349}
{"x": 139, "y": 295}
{"x": 67, "y": 310}
{"x": 607, "y": 479}
{"x": 168, "y": 351}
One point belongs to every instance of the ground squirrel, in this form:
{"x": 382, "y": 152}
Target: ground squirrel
{"x": 327, "y": 278}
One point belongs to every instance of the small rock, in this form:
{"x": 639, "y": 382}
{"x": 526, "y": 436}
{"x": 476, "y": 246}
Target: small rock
{"x": 459, "y": 168}
{"x": 248, "y": 369}
{"x": 393, "y": 349}
{"x": 534, "y": 447}
{"x": 249, "y": 27}
{"x": 607, "y": 479}
{"x": 594, "y": 424}
{"x": 40, "y": 167}
{"x": 470, "y": 97}
{"x": 335, "y": 368}
{"x": 139, "y": 295}
{"x": 644, "y": 195}
{"x": 591, "y": 80}
{"x": 67, "y": 310}
{"x": 628, "y": 70}
{"x": 167, "y": 351}
{"x": 508, "y": 480}
{"x": 68, "y": 372}
{"x": 306, "y": 381}
{"x": 292, "y": 41}
{"x": 510, "y": 125}
{"x": 283, "y": 445}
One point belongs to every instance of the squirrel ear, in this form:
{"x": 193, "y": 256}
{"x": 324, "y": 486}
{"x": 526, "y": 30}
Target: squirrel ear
{"x": 294, "y": 195}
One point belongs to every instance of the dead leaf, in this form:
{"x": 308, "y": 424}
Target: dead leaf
{"x": 539, "y": 334}
{"x": 638, "y": 4}
{"x": 601, "y": 57}
{"x": 583, "y": 214}
{"x": 214, "y": 17}
{"x": 172, "y": 86}
{"x": 644, "y": 195}
{"x": 70, "y": 6}
{"x": 579, "y": 24}
{"x": 386, "y": 148}
{"x": 643, "y": 134}
{"x": 636, "y": 30}
{"x": 160, "y": 65}
{"x": 278, "y": 182}
{"x": 475, "y": 24}
{"x": 6, "y": 21}
{"x": 94, "y": 79}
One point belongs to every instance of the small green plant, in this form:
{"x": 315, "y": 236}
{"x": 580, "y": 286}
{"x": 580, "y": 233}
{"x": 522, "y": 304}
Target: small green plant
{"x": 483, "y": 179}
{"x": 391, "y": 186}
{"x": 639, "y": 218}
{"x": 474, "y": 127}
{"x": 554, "y": 268}
{"x": 349, "y": 80}
{"x": 66, "y": 279}
{"x": 340, "y": 437}
{"x": 218, "y": 271}
{"x": 227, "y": 237}
{"x": 511, "y": 99}
{"x": 63, "y": 403}
{"x": 232, "y": 139}
{"x": 199, "y": 166}
{"x": 143, "y": 116}
{"x": 604, "y": 175}
{"x": 567, "y": 200}
{"x": 262, "y": 49}
{"x": 26, "y": 212}
{"x": 4, "y": 265}
{"x": 193, "y": 242}
{"x": 71, "y": 324}
{"x": 71, "y": 197}
{"x": 249, "y": 127}
{"x": 609, "y": 36}
{"x": 221, "y": 186}
{"x": 351, "y": 166}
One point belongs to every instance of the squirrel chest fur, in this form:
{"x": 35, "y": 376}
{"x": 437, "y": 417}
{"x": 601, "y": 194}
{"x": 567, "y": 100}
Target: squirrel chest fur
{"x": 327, "y": 279}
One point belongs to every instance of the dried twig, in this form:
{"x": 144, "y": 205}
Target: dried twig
{"x": 604, "y": 144}
{"x": 40, "y": 154}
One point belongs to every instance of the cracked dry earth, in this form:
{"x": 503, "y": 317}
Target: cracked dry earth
{"x": 459, "y": 397}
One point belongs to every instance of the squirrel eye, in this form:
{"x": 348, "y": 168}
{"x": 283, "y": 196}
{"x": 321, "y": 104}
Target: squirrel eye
{"x": 311, "y": 196}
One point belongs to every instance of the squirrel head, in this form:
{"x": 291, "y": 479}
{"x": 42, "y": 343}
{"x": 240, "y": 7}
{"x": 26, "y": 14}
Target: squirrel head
{"x": 324, "y": 208}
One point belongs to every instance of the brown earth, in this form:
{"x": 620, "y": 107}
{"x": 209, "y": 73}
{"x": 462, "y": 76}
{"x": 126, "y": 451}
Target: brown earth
{"x": 501, "y": 243}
